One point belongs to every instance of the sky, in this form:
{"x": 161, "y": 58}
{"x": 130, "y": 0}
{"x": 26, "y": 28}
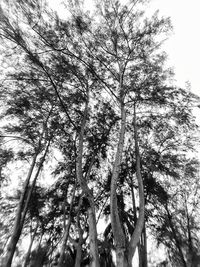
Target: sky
{"x": 183, "y": 46}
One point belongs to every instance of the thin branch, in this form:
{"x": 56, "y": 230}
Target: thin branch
{"x": 15, "y": 138}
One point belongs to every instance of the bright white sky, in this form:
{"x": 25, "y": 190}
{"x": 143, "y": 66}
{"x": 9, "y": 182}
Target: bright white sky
{"x": 183, "y": 47}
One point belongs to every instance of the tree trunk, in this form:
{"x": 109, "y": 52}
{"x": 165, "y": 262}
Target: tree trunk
{"x": 133, "y": 202}
{"x": 30, "y": 191}
{"x": 93, "y": 235}
{"x": 80, "y": 241}
{"x": 39, "y": 257}
{"x": 140, "y": 221}
{"x": 191, "y": 251}
{"x": 30, "y": 247}
{"x": 176, "y": 238}
{"x": 140, "y": 253}
{"x": 17, "y": 223}
{"x": 78, "y": 254}
{"x": 66, "y": 231}
{"x": 140, "y": 243}
{"x": 142, "y": 249}
{"x": 145, "y": 246}
{"x": 22, "y": 210}
{"x": 87, "y": 193}
{"x": 118, "y": 233}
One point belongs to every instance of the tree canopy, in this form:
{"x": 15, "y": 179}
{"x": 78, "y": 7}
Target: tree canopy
{"x": 97, "y": 141}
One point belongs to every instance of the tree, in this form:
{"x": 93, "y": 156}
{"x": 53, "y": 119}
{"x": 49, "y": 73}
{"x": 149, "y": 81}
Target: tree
{"x": 22, "y": 207}
{"x": 95, "y": 90}
{"x": 177, "y": 228}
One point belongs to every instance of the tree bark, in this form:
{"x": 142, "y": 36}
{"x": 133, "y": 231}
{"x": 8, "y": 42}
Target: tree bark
{"x": 66, "y": 232}
{"x": 87, "y": 192}
{"x": 80, "y": 241}
{"x": 78, "y": 253}
{"x": 140, "y": 221}
{"x": 142, "y": 249}
{"x": 140, "y": 256}
{"x": 118, "y": 233}
{"x": 133, "y": 202}
{"x": 145, "y": 246}
{"x": 93, "y": 235}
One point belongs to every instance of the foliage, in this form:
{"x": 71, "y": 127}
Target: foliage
{"x": 62, "y": 106}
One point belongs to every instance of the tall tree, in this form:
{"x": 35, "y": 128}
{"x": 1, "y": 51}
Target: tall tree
{"x": 97, "y": 86}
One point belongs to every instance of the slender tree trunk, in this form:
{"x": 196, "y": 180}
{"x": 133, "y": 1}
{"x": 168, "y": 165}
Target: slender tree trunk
{"x": 118, "y": 233}
{"x": 145, "y": 246}
{"x": 78, "y": 254}
{"x": 176, "y": 238}
{"x": 140, "y": 221}
{"x": 88, "y": 193}
{"x": 30, "y": 247}
{"x": 140, "y": 253}
{"x": 140, "y": 256}
{"x": 22, "y": 210}
{"x": 142, "y": 249}
{"x": 30, "y": 191}
{"x": 190, "y": 242}
{"x": 80, "y": 242}
{"x": 66, "y": 232}
{"x": 17, "y": 223}
{"x": 65, "y": 238}
{"x": 93, "y": 235}
{"x": 133, "y": 202}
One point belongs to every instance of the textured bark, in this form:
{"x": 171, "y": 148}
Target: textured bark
{"x": 119, "y": 237}
{"x": 140, "y": 221}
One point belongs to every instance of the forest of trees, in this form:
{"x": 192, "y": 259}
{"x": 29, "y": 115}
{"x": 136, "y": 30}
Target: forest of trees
{"x": 97, "y": 143}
